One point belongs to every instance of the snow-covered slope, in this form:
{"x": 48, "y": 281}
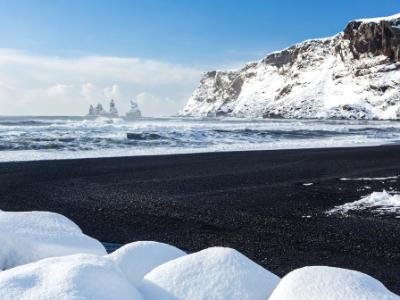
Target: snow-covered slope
{"x": 354, "y": 74}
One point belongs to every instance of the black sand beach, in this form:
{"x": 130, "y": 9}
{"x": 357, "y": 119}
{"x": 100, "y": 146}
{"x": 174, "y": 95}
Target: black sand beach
{"x": 252, "y": 201}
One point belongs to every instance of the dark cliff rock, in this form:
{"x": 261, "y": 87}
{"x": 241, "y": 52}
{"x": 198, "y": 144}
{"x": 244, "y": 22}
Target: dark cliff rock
{"x": 381, "y": 38}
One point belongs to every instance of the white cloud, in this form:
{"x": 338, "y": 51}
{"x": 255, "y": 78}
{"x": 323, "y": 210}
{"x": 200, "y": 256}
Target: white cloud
{"x": 41, "y": 85}
{"x": 91, "y": 93}
{"x": 113, "y": 92}
{"x": 59, "y": 89}
{"x": 157, "y": 105}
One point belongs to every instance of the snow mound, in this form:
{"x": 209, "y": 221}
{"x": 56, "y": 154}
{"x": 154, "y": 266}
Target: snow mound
{"x": 30, "y": 236}
{"x": 316, "y": 283}
{"x": 214, "y": 273}
{"x": 81, "y": 276}
{"x": 379, "y": 19}
{"x": 151, "y": 270}
{"x": 139, "y": 258}
{"x": 377, "y": 202}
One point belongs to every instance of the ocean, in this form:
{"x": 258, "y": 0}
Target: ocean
{"x": 43, "y": 138}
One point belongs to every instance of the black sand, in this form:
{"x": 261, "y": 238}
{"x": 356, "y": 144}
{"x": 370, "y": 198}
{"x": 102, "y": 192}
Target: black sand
{"x": 253, "y": 201}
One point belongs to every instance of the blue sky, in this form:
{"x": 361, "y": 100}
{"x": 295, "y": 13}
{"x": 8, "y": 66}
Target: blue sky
{"x": 59, "y": 56}
{"x": 185, "y": 32}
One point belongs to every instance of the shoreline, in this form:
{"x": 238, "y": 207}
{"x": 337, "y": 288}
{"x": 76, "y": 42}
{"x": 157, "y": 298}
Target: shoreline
{"x": 205, "y": 152}
{"x": 253, "y": 201}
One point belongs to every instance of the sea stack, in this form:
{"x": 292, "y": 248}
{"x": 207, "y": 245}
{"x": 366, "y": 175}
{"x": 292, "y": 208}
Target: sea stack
{"x": 99, "y": 111}
{"x": 134, "y": 112}
{"x": 113, "y": 109}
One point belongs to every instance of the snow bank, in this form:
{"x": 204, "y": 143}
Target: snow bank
{"x": 81, "y": 276}
{"x": 316, "y": 283}
{"x": 153, "y": 271}
{"x": 378, "y": 202}
{"x": 214, "y": 273}
{"x": 379, "y": 19}
{"x": 139, "y": 258}
{"x": 30, "y": 236}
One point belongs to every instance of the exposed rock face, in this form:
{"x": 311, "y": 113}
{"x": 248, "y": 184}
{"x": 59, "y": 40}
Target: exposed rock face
{"x": 381, "y": 38}
{"x": 354, "y": 74}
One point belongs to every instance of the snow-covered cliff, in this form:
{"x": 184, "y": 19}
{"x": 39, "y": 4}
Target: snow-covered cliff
{"x": 354, "y": 74}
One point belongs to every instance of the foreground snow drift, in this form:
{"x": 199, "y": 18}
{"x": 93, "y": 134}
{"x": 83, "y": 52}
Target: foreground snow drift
{"x": 29, "y": 236}
{"x": 214, "y": 273}
{"x": 73, "y": 277}
{"x": 150, "y": 270}
{"x": 316, "y": 283}
{"x": 139, "y": 258}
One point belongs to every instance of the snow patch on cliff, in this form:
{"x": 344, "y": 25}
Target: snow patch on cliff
{"x": 379, "y": 19}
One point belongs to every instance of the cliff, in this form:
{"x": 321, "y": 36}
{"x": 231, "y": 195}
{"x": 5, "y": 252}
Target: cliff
{"x": 353, "y": 75}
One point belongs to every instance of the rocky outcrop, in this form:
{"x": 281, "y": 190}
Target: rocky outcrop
{"x": 113, "y": 109}
{"x": 134, "y": 111}
{"x": 99, "y": 111}
{"x": 354, "y": 74}
{"x": 376, "y": 38}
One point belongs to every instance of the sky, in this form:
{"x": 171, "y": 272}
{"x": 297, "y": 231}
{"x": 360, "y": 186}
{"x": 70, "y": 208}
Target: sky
{"x": 59, "y": 56}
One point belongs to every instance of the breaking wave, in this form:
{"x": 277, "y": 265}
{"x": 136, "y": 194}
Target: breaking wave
{"x": 28, "y": 138}
{"x": 23, "y": 123}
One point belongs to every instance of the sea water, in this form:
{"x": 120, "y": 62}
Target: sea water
{"x": 38, "y": 138}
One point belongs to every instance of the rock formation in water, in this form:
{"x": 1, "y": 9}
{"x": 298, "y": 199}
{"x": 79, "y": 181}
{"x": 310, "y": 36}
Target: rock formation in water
{"x": 113, "y": 109}
{"x": 92, "y": 111}
{"x": 352, "y": 75}
{"x": 99, "y": 111}
{"x": 134, "y": 111}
